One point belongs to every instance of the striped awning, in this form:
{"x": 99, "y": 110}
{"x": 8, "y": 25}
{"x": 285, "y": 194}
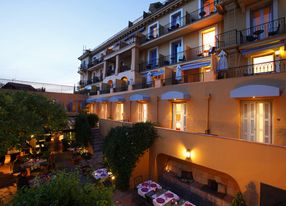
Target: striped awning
{"x": 174, "y": 95}
{"x": 90, "y": 100}
{"x": 139, "y": 97}
{"x": 249, "y": 91}
{"x": 156, "y": 73}
{"x": 116, "y": 99}
{"x": 101, "y": 99}
{"x": 195, "y": 65}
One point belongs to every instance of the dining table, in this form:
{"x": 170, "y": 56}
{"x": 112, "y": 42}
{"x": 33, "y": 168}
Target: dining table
{"x": 101, "y": 174}
{"x": 166, "y": 198}
{"x": 146, "y": 187}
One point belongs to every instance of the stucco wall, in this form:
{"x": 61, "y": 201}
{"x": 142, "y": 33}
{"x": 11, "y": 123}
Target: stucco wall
{"x": 246, "y": 162}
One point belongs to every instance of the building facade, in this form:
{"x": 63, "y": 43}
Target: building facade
{"x": 202, "y": 69}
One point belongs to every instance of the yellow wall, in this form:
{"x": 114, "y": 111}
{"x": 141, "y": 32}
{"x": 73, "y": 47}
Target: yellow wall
{"x": 224, "y": 116}
{"x": 246, "y": 162}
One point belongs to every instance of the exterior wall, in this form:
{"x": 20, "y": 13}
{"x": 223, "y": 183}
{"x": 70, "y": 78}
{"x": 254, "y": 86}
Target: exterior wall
{"x": 237, "y": 158}
{"x": 224, "y": 115}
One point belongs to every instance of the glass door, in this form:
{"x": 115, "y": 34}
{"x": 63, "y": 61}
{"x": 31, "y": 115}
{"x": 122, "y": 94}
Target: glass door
{"x": 179, "y": 116}
{"x": 176, "y": 52}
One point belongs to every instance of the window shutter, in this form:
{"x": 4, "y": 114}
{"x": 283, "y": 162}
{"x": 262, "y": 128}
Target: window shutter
{"x": 267, "y": 123}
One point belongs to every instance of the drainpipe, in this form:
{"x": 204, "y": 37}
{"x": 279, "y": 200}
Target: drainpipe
{"x": 207, "y": 131}
{"x": 130, "y": 111}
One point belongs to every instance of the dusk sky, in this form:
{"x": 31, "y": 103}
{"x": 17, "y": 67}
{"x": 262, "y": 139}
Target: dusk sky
{"x": 41, "y": 40}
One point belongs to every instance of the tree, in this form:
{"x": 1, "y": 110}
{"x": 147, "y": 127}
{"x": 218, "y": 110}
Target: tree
{"x": 63, "y": 189}
{"x": 123, "y": 146}
{"x": 82, "y": 130}
{"x": 23, "y": 114}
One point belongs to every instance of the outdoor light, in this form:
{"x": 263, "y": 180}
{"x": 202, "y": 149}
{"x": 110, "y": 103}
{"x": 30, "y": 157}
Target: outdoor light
{"x": 277, "y": 52}
{"x": 188, "y": 154}
{"x": 112, "y": 177}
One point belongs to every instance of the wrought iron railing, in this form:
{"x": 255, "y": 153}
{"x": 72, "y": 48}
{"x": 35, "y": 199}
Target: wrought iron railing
{"x": 152, "y": 64}
{"x": 187, "y": 78}
{"x": 187, "y": 19}
{"x": 121, "y": 88}
{"x": 226, "y": 39}
{"x": 253, "y": 69}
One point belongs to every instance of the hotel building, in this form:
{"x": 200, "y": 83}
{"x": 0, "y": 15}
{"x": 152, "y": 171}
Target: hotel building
{"x": 211, "y": 74}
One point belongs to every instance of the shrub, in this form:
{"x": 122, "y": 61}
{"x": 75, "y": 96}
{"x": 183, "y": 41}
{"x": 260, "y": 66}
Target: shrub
{"x": 82, "y": 130}
{"x": 123, "y": 146}
{"x": 92, "y": 120}
{"x": 64, "y": 189}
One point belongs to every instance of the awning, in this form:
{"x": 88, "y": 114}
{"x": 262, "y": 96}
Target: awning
{"x": 172, "y": 95}
{"x": 262, "y": 48}
{"x": 155, "y": 73}
{"x": 101, "y": 99}
{"x": 139, "y": 97}
{"x": 116, "y": 99}
{"x": 255, "y": 91}
{"x": 195, "y": 65}
{"x": 90, "y": 100}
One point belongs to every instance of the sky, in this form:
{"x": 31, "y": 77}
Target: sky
{"x": 40, "y": 40}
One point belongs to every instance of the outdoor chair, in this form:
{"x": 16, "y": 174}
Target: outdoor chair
{"x": 274, "y": 31}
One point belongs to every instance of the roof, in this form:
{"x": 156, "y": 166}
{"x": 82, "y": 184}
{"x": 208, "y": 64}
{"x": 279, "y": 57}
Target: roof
{"x": 18, "y": 86}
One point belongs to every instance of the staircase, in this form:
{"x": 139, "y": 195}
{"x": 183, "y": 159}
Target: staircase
{"x": 96, "y": 141}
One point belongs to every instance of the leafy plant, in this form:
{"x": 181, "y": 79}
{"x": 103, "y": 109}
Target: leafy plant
{"x": 123, "y": 146}
{"x": 64, "y": 189}
{"x": 23, "y": 114}
{"x": 238, "y": 200}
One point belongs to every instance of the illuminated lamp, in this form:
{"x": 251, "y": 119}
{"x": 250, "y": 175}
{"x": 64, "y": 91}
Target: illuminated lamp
{"x": 188, "y": 154}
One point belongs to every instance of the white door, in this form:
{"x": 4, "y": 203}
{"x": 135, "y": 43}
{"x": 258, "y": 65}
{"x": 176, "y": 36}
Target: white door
{"x": 256, "y": 121}
{"x": 179, "y": 116}
{"x": 119, "y": 112}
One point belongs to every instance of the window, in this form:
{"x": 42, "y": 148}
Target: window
{"x": 256, "y": 121}
{"x": 142, "y": 110}
{"x": 176, "y": 19}
{"x": 119, "y": 111}
{"x": 153, "y": 31}
{"x": 208, "y": 39}
{"x": 179, "y": 116}
{"x": 263, "y": 64}
{"x": 177, "y": 53}
{"x": 153, "y": 57}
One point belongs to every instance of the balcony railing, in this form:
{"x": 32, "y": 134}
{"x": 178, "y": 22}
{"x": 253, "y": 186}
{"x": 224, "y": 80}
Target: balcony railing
{"x": 187, "y": 19}
{"x": 252, "y": 34}
{"x": 105, "y": 91}
{"x": 253, "y": 69}
{"x": 124, "y": 68}
{"x": 226, "y": 39}
{"x": 180, "y": 57}
{"x": 121, "y": 88}
{"x": 262, "y": 31}
{"x": 142, "y": 85}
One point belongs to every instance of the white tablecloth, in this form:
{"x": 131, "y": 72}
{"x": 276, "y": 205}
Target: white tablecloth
{"x": 100, "y": 173}
{"x": 165, "y": 197}
{"x": 188, "y": 204}
{"x": 146, "y": 187}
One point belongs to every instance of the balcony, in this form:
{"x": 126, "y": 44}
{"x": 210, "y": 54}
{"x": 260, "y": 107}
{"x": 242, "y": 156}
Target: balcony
{"x": 184, "y": 21}
{"x": 181, "y": 57}
{"x": 95, "y": 62}
{"x": 110, "y": 72}
{"x": 121, "y": 88}
{"x": 252, "y": 34}
{"x": 120, "y": 47}
{"x": 254, "y": 69}
{"x": 82, "y": 68}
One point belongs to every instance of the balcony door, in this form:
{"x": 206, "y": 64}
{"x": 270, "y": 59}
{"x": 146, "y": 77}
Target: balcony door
{"x": 153, "y": 31}
{"x": 179, "y": 116}
{"x": 176, "y": 19}
{"x": 261, "y": 21}
{"x": 208, "y": 40}
{"x": 256, "y": 121}
{"x": 153, "y": 57}
{"x": 176, "y": 51}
